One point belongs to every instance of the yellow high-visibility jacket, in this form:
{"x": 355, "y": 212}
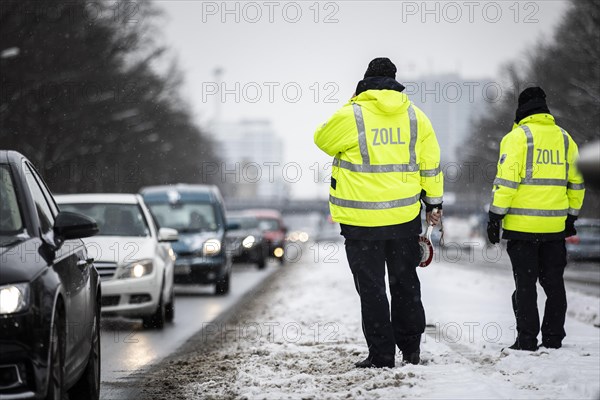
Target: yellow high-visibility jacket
{"x": 537, "y": 183}
{"x": 385, "y": 154}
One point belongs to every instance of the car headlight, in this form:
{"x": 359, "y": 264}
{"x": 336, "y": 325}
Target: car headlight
{"x": 14, "y": 298}
{"x": 249, "y": 241}
{"x": 136, "y": 269}
{"x": 211, "y": 247}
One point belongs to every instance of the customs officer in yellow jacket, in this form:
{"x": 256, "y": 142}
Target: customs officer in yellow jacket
{"x": 537, "y": 195}
{"x": 386, "y": 163}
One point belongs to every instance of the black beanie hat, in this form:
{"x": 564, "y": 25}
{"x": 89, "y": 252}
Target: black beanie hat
{"x": 531, "y": 101}
{"x": 381, "y": 66}
{"x": 532, "y": 93}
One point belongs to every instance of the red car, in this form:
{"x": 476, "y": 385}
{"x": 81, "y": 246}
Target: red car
{"x": 274, "y": 231}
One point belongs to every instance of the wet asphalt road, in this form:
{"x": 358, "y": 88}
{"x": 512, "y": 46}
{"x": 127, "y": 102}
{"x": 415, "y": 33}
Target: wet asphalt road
{"x": 128, "y": 349}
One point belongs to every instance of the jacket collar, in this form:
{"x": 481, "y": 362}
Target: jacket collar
{"x": 383, "y": 101}
{"x": 378, "y": 83}
{"x": 542, "y": 118}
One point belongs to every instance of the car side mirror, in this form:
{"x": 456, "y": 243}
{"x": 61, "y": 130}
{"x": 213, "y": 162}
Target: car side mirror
{"x": 70, "y": 225}
{"x": 168, "y": 235}
{"x": 232, "y": 226}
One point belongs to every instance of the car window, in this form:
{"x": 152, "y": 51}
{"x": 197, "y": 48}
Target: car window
{"x": 185, "y": 217}
{"x": 113, "y": 219}
{"x": 44, "y": 189}
{"x": 11, "y": 220}
{"x": 44, "y": 212}
{"x": 269, "y": 224}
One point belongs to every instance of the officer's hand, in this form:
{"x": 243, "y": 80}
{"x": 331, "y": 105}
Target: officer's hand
{"x": 433, "y": 218}
{"x": 570, "y": 226}
{"x": 493, "y": 231}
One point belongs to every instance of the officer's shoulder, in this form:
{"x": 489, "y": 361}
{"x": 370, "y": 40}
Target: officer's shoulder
{"x": 517, "y": 134}
{"x": 418, "y": 111}
{"x": 346, "y": 109}
{"x": 572, "y": 141}
{"x": 564, "y": 131}
{"x": 421, "y": 116}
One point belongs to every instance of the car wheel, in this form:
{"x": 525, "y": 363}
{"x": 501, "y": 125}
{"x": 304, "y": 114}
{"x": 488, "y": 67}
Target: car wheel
{"x": 170, "y": 307}
{"x": 222, "y": 286}
{"x": 57, "y": 360}
{"x": 88, "y": 386}
{"x": 156, "y": 320}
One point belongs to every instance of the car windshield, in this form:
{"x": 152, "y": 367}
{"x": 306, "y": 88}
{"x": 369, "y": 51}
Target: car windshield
{"x": 186, "y": 217}
{"x": 11, "y": 220}
{"x": 113, "y": 219}
{"x": 243, "y": 221}
{"x": 269, "y": 224}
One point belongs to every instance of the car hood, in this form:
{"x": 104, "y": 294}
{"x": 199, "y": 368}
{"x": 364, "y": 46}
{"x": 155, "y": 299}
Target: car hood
{"x": 120, "y": 249}
{"x": 21, "y": 261}
{"x": 192, "y": 242}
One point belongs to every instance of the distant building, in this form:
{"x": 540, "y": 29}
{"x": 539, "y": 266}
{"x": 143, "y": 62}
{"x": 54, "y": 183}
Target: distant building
{"x": 451, "y": 103}
{"x": 252, "y": 160}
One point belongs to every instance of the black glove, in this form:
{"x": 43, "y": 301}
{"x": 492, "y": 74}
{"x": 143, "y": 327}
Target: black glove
{"x": 493, "y": 231}
{"x": 570, "y": 226}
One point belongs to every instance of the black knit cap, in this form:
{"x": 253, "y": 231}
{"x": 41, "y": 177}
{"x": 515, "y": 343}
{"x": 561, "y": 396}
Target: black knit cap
{"x": 532, "y": 93}
{"x": 531, "y": 101}
{"x": 381, "y": 66}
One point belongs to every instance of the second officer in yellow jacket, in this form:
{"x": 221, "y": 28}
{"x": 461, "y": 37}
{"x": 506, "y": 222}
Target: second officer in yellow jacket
{"x": 386, "y": 162}
{"x": 537, "y": 195}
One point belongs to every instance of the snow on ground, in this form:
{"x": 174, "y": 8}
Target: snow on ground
{"x": 301, "y": 337}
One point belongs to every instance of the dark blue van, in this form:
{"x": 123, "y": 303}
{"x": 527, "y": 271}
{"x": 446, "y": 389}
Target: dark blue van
{"x": 198, "y": 214}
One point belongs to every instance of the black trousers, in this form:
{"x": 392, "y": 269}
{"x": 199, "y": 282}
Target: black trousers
{"x": 545, "y": 260}
{"x": 367, "y": 259}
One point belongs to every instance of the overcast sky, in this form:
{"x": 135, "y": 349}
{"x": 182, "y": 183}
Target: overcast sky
{"x": 272, "y": 49}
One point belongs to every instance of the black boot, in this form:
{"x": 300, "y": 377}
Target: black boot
{"x": 411, "y": 358}
{"x": 368, "y": 363}
{"x": 411, "y": 350}
{"x": 551, "y": 343}
{"x": 524, "y": 345}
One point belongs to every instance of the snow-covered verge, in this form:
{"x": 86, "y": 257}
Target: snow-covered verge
{"x": 584, "y": 308}
{"x": 300, "y": 338}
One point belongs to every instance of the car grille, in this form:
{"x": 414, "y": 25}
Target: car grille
{"x": 233, "y": 244}
{"x": 106, "y": 270}
{"x": 108, "y": 301}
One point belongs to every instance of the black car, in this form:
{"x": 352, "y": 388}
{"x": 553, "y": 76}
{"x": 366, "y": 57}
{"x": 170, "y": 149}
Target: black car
{"x": 197, "y": 212}
{"x": 49, "y": 292}
{"x": 247, "y": 243}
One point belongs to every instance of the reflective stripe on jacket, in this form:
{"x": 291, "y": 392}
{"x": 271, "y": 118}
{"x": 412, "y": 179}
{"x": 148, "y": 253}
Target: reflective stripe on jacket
{"x": 385, "y": 155}
{"x": 537, "y": 183}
